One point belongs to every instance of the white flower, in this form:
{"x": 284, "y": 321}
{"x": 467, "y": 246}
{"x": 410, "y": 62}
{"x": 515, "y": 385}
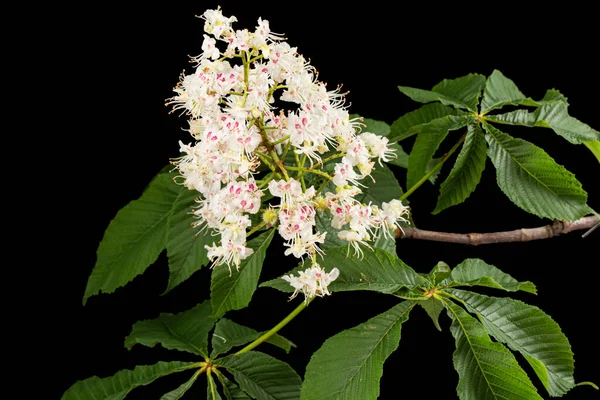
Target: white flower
{"x": 312, "y": 282}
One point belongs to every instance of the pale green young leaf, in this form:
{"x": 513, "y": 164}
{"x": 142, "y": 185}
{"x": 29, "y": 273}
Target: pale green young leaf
{"x": 500, "y": 91}
{"x": 378, "y": 271}
{"x": 466, "y": 172}
{"x": 553, "y": 115}
{"x": 349, "y": 365}
{"x": 532, "y": 180}
{"x": 438, "y": 273}
{"x": 229, "y": 334}
{"x": 531, "y": 332}
{"x": 463, "y": 92}
{"x": 116, "y": 387}
{"x": 185, "y": 243}
{"x": 594, "y": 146}
{"x": 476, "y": 272}
{"x": 185, "y": 331}
{"x": 178, "y": 392}
{"x": 233, "y": 291}
{"x": 433, "y": 308}
{"x": 412, "y": 122}
{"x": 427, "y": 142}
{"x": 486, "y": 369}
{"x": 261, "y": 376}
{"x": 134, "y": 238}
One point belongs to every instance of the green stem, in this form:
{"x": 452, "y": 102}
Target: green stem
{"x": 276, "y": 328}
{"x": 435, "y": 168}
{"x": 333, "y": 157}
{"x": 314, "y": 171}
{"x": 283, "y": 139}
{"x": 257, "y": 227}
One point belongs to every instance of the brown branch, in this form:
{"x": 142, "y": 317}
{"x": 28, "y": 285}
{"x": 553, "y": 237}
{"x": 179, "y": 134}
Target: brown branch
{"x": 518, "y": 235}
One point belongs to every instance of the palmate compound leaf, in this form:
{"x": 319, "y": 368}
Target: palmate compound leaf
{"x": 349, "y": 365}
{"x": 378, "y": 271}
{"x": 530, "y": 331}
{"x": 116, "y": 387}
{"x": 476, "y": 272}
{"x": 463, "y": 92}
{"x": 185, "y": 331}
{"x": 554, "y": 115}
{"x": 229, "y": 334}
{"x": 428, "y": 140}
{"x": 487, "y": 370}
{"x": 135, "y": 237}
{"x": 532, "y": 180}
{"x": 185, "y": 243}
{"x": 466, "y": 172}
{"x": 234, "y": 291}
{"x": 261, "y": 376}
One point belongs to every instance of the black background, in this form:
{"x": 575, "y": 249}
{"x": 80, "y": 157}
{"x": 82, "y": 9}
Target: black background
{"x": 115, "y": 65}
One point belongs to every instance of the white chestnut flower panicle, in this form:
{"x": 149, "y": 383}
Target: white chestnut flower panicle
{"x": 243, "y": 140}
{"x": 312, "y": 282}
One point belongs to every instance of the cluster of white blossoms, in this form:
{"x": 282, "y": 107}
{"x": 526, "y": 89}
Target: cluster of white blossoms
{"x": 240, "y": 133}
{"x": 312, "y": 282}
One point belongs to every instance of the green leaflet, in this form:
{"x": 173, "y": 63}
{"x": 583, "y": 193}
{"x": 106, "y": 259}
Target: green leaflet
{"x": 230, "y": 389}
{"x": 135, "y": 237}
{"x": 185, "y": 243}
{"x": 412, "y": 122}
{"x": 262, "y": 376}
{"x": 552, "y": 115}
{"x": 463, "y": 92}
{"x": 211, "y": 391}
{"x": 349, "y": 365}
{"x": 178, "y": 392}
{"x": 185, "y": 331}
{"x": 234, "y": 292}
{"x": 385, "y": 188}
{"x": 530, "y": 331}
{"x": 486, "y": 369}
{"x": 229, "y": 334}
{"x": 466, "y": 172}
{"x": 378, "y": 271}
{"x": 428, "y": 141}
{"x": 116, "y": 387}
{"x": 500, "y": 91}
{"x": 594, "y": 146}
{"x": 476, "y": 272}
{"x": 433, "y": 308}
{"x": 532, "y": 180}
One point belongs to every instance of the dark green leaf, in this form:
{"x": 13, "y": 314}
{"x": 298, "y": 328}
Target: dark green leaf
{"x": 401, "y": 159}
{"x": 234, "y": 292}
{"x": 532, "y": 180}
{"x": 178, "y": 393}
{"x": 486, "y": 369}
{"x": 349, "y": 365}
{"x": 134, "y": 238}
{"x": 380, "y": 128}
{"x": 427, "y": 142}
{"x": 185, "y": 243}
{"x": 229, "y": 334}
{"x": 466, "y": 172}
{"x": 230, "y": 389}
{"x": 530, "y": 331}
{"x": 500, "y": 91}
{"x": 552, "y": 115}
{"x": 412, "y": 122}
{"x": 440, "y": 272}
{"x": 211, "y": 390}
{"x": 463, "y": 92}
{"x": 262, "y": 376}
{"x": 385, "y": 188}
{"x": 186, "y": 331}
{"x": 116, "y": 387}
{"x": 476, "y": 272}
